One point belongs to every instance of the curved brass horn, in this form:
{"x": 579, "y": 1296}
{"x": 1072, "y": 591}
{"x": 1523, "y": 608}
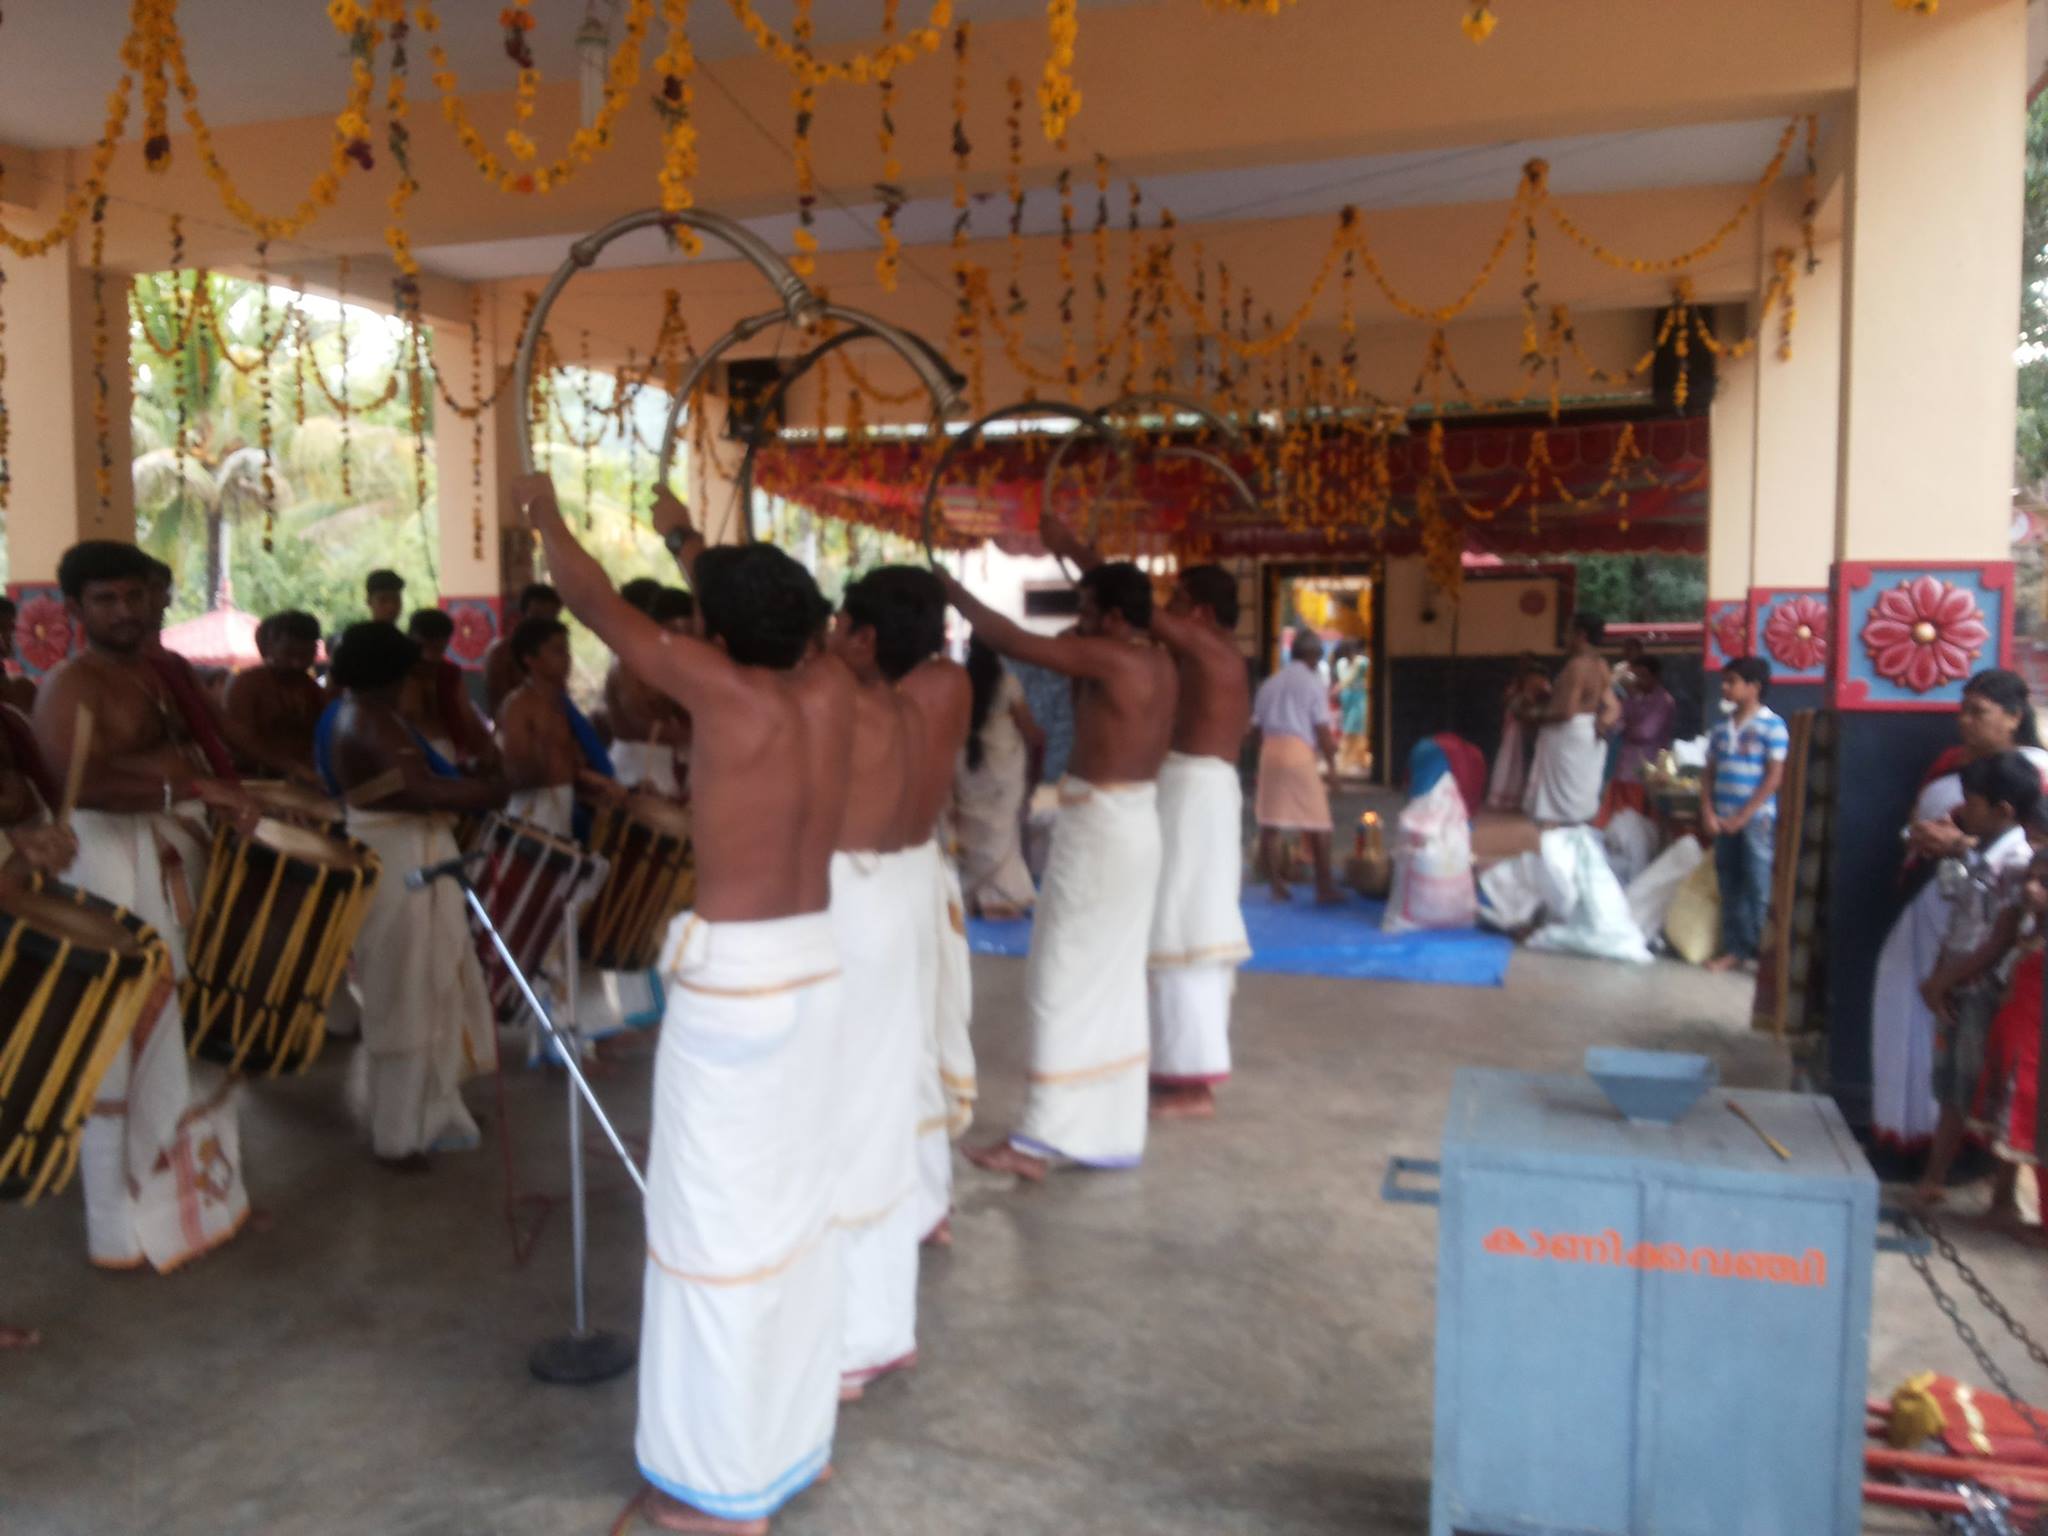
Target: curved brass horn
{"x": 1083, "y": 418}
{"x": 800, "y": 306}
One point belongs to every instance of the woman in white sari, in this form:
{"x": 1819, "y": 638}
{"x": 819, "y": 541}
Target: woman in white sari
{"x": 1996, "y": 717}
{"x": 989, "y": 787}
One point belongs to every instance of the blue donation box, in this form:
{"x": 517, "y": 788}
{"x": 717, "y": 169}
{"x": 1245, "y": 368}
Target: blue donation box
{"x": 1643, "y": 1328}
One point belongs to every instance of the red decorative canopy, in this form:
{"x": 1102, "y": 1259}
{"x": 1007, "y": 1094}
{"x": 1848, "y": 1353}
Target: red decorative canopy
{"x": 1580, "y": 487}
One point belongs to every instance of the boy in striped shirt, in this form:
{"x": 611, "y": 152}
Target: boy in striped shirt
{"x": 1739, "y": 805}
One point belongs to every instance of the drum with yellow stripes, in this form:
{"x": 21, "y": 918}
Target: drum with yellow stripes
{"x": 77, "y": 974}
{"x": 645, "y": 839}
{"x": 270, "y": 942}
{"x": 285, "y": 801}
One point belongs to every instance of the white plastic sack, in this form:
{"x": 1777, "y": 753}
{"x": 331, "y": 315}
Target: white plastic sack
{"x": 1592, "y": 915}
{"x": 1630, "y": 839}
{"x": 1651, "y": 893}
{"x": 1432, "y": 864}
{"x": 1690, "y": 753}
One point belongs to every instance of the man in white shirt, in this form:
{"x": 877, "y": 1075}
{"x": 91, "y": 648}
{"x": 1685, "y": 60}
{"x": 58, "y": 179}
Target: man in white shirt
{"x": 1292, "y": 716}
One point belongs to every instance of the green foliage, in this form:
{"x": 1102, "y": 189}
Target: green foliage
{"x": 1642, "y": 589}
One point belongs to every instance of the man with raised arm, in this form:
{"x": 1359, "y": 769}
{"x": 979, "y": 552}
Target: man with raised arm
{"x": 1198, "y": 933}
{"x": 940, "y": 702}
{"x": 1085, "y": 984}
{"x": 875, "y": 913}
{"x": 426, "y": 1014}
{"x": 740, "y": 1333}
{"x": 160, "y": 1158}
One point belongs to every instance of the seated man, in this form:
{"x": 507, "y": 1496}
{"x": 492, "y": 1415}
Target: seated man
{"x": 426, "y": 1016}
{"x": 650, "y": 731}
{"x": 273, "y": 709}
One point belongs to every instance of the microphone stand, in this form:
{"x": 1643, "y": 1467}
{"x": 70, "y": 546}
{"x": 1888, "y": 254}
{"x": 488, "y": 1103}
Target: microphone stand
{"x": 583, "y": 1355}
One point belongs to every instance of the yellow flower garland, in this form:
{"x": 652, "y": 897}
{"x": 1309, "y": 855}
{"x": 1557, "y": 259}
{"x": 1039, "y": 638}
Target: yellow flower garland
{"x": 1058, "y": 97}
{"x": 863, "y": 68}
{"x": 676, "y": 103}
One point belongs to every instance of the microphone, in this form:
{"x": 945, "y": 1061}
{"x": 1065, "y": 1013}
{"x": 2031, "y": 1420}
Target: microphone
{"x": 419, "y": 879}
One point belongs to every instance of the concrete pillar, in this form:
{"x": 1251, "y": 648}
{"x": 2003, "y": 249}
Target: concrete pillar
{"x": 1935, "y": 168}
{"x": 54, "y": 450}
{"x": 1731, "y": 509}
{"x": 485, "y": 555}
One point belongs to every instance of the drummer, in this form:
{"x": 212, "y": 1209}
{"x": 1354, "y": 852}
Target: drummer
{"x": 436, "y": 700}
{"x": 16, "y": 687}
{"x": 551, "y": 750}
{"x": 502, "y": 672}
{"x": 274, "y": 707}
{"x": 427, "y": 1020}
{"x": 650, "y": 730}
{"x": 160, "y": 1157}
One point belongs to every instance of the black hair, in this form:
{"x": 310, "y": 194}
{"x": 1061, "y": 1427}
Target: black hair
{"x": 672, "y": 605}
{"x": 2008, "y": 690}
{"x": 1213, "y": 588}
{"x": 538, "y": 592}
{"x": 641, "y": 592}
{"x": 1591, "y": 625}
{"x": 1751, "y": 669}
{"x": 372, "y": 656}
{"x": 430, "y": 624}
{"x": 906, "y": 608}
{"x": 760, "y": 602}
{"x": 8, "y": 612}
{"x": 292, "y": 624}
{"x": 1120, "y": 587}
{"x": 1307, "y": 646}
{"x": 2005, "y": 778}
{"x": 1649, "y": 664}
{"x": 381, "y": 580}
{"x": 100, "y": 560}
{"x": 529, "y": 635}
{"x": 984, "y": 680}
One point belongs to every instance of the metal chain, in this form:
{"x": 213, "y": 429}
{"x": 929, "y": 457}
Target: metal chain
{"x": 1998, "y": 1379}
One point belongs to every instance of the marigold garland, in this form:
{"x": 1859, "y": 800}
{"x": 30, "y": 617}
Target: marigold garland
{"x": 804, "y": 98}
{"x": 675, "y": 103}
{"x": 862, "y": 68}
{"x": 1058, "y": 97}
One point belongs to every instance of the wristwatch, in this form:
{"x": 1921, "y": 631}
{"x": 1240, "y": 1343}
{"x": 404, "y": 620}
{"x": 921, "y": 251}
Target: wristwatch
{"x": 675, "y": 539}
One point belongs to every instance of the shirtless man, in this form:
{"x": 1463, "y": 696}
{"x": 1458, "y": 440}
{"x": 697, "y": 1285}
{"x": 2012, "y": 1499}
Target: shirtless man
{"x": 384, "y": 596}
{"x": 1571, "y": 742}
{"x": 650, "y": 731}
{"x": 275, "y": 707}
{"x": 501, "y": 665}
{"x": 15, "y": 687}
{"x": 157, "y": 1117}
{"x": 426, "y": 1014}
{"x": 435, "y": 700}
{"x": 1198, "y": 933}
{"x": 740, "y": 1331}
{"x": 1085, "y": 984}
{"x": 546, "y": 757}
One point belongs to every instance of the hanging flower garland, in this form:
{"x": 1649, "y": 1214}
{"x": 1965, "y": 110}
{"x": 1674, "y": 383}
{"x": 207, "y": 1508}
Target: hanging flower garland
{"x": 805, "y": 99}
{"x": 889, "y": 189}
{"x": 675, "y": 105}
{"x": 862, "y": 68}
{"x": 1479, "y": 21}
{"x": 585, "y": 144}
{"x": 517, "y": 22}
{"x": 102, "y": 409}
{"x": 1058, "y": 97}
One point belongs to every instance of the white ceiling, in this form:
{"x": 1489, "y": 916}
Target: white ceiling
{"x": 1705, "y": 154}
{"x": 254, "y": 60}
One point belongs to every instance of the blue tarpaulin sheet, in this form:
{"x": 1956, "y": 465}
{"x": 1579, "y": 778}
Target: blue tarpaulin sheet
{"x": 1299, "y": 938}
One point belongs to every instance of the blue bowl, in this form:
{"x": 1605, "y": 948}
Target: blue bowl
{"x": 1651, "y": 1087}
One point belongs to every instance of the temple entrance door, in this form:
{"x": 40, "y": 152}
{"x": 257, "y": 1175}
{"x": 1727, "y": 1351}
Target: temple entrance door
{"x": 1338, "y": 601}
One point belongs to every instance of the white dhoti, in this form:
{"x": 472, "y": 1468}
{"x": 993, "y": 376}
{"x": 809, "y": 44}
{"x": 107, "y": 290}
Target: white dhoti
{"x": 1085, "y": 980}
{"x": 161, "y": 1156}
{"x": 1565, "y": 778}
{"x": 740, "y": 1333}
{"x": 877, "y": 902}
{"x": 552, "y": 808}
{"x": 646, "y": 765}
{"x": 946, "y": 1086}
{"x": 1903, "y": 1110}
{"x": 426, "y": 1013}
{"x": 1198, "y": 933}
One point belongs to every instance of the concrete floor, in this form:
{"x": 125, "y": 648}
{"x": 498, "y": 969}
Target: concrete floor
{"x": 1235, "y": 1339}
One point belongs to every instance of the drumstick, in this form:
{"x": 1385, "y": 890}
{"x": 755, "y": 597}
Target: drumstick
{"x": 382, "y": 787}
{"x": 74, "y": 772}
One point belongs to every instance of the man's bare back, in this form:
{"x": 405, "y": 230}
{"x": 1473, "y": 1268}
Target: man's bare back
{"x": 279, "y": 709}
{"x": 534, "y": 738}
{"x": 939, "y": 703}
{"x": 877, "y": 772}
{"x": 1213, "y": 698}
